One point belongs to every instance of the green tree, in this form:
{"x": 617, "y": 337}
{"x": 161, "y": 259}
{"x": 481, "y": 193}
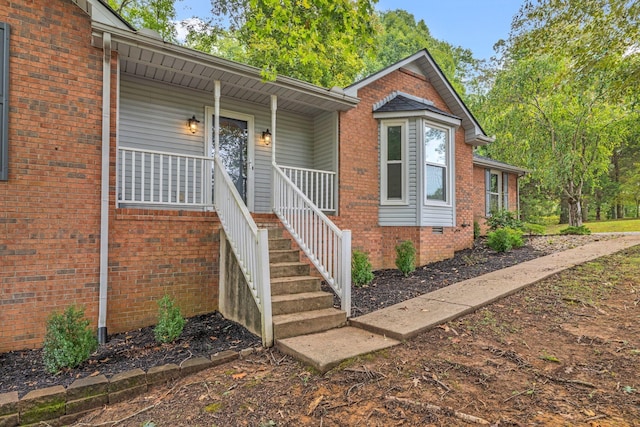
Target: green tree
{"x": 157, "y": 15}
{"x": 596, "y": 35}
{"x": 563, "y": 129}
{"x": 322, "y": 41}
{"x": 401, "y": 36}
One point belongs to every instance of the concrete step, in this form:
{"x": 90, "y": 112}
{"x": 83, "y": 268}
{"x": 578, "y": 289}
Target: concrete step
{"x": 326, "y": 350}
{"x": 308, "y": 322}
{"x": 274, "y": 232}
{"x": 294, "y": 285}
{"x": 280, "y": 243}
{"x": 288, "y": 269}
{"x": 284, "y": 255}
{"x": 305, "y": 301}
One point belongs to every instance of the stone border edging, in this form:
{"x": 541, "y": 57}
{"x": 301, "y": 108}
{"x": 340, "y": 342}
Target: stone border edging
{"x": 59, "y": 406}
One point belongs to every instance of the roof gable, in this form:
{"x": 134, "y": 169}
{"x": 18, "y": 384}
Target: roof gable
{"x": 422, "y": 61}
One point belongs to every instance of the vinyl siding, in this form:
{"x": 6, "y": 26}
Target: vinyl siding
{"x": 407, "y": 215}
{"x": 325, "y": 141}
{"x": 153, "y": 117}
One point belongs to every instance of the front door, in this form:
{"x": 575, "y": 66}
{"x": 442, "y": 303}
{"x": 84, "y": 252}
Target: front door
{"x": 236, "y": 149}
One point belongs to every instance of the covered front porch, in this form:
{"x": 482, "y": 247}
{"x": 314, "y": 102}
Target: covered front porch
{"x": 200, "y": 133}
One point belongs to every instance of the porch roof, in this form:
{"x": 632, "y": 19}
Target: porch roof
{"x": 143, "y": 55}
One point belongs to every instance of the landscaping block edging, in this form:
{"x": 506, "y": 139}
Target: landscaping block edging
{"x": 60, "y": 406}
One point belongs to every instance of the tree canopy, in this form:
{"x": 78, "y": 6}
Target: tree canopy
{"x": 157, "y": 15}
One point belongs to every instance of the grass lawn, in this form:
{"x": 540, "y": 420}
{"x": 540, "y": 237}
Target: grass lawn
{"x": 611, "y": 226}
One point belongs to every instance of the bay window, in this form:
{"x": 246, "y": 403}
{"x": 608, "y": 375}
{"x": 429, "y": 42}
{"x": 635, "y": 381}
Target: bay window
{"x": 437, "y": 163}
{"x": 394, "y": 162}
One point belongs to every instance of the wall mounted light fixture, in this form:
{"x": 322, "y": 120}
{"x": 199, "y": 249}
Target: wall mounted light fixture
{"x": 193, "y": 124}
{"x": 266, "y": 137}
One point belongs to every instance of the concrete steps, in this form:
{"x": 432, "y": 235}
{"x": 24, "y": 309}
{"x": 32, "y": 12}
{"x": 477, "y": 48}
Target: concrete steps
{"x": 299, "y": 306}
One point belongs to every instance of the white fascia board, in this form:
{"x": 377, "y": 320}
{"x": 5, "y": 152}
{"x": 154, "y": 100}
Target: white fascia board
{"x": 502, "y": 167}
{"x": 129, "y": 37}
{"x": 451, "y": 121}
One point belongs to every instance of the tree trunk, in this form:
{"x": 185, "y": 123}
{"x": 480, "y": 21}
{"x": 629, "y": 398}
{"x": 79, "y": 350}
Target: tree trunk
{"x": 585, "y": 212}
{"x": 564, "y": 210}
{"x": 575, "y": 212}
{"x": 619, "y": 210}
{"x": 598, "y": 212}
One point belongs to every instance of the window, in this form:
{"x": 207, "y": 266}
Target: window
{"x": 4, "y": 98}
{"x": 437, "y": 160}
{"x": 497, "y": 191}
{"x": 393, "y": 156}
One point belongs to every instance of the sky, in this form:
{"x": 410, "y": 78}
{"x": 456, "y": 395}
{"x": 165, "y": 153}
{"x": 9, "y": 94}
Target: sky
{"x": 472, "y": 24}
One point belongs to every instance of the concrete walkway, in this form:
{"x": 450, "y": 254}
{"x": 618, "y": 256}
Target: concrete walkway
{"x": 389, "y": 326}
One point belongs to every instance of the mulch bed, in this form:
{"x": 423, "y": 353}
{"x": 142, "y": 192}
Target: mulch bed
{"x": 205, "y": 335}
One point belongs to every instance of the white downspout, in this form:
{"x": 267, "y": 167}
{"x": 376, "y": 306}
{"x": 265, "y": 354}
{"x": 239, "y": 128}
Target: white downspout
{"x": 104, "y": 190}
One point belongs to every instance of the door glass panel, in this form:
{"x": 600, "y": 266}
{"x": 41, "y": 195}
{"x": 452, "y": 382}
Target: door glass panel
{"x": 234, "y": 139}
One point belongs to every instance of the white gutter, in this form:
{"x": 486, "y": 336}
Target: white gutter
{"x": 104, "y": 190}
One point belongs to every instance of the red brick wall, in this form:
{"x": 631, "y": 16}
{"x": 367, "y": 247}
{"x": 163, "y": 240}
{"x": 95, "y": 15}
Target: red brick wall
{"x": 479, "y": 196}
{"x": 360, "y": 180}
{"x": 49, "y": 219}
{"x": 50, "y": 214}
{"x": 153, "y": 252}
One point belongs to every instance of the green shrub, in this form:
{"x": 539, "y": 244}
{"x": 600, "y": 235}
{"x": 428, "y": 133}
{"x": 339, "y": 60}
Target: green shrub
{"x": 170, "y": 321}
{"x": 504, "y": 239}
{"x": 361, "y": 273}
{"x": 406, "y": 257}
{"x": 68, "y": 341}
{"x": 503, "y": 219}
{"x": 476, "y": 230}
{"x": 582, "y": 230}
{"x": 532, "y": 229}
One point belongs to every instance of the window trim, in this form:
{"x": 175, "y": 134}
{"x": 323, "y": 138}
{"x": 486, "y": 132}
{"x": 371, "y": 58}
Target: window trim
{"x": 4, "y": 102}
{"x": 502, "y": 193}
{"x": 449, "y": 164}
{"x": 384, "y": 125}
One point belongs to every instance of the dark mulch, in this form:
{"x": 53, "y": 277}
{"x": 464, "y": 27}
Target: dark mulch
{"x": 205, "y": 335}
{"x": 390, "y": 287}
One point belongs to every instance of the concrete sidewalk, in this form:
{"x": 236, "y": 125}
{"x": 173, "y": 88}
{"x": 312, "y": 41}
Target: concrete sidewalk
{"x": 388, "y": 326}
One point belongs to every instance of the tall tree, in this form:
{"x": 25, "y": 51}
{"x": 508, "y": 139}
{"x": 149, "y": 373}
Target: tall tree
{"x": 157, "y": 15}
{"x": 322, "y": 41}
{"x": 401, "y": 35}
{"x": 595, "y": 35}
{"x": 562, "y": 129}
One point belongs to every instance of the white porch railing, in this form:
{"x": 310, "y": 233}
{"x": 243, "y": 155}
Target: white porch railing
{"x": 317, "y": 185}
{"x": 249, "y": 244}
{"x": 326, "y": 246}
{"x": 158, "y": 178}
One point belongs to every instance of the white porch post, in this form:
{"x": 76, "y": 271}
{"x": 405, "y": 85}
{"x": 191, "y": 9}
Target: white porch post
{"x": 216, "y": 118}
{"x": 274, "y": 108}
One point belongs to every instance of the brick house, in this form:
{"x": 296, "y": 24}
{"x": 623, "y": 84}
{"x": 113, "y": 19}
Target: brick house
{"x": 132, "y": 168}
{"x": 496, "y": 188}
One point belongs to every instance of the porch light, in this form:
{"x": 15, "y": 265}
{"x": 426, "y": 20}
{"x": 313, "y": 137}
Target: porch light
{"x": 193, "y": 124}
{"x": 266, "y": 137}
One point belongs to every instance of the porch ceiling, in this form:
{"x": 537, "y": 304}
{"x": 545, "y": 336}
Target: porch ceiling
{"x": 154, "y": 59}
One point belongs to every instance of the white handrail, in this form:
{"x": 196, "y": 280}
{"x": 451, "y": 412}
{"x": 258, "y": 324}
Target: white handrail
{"x": 326, "y": 246}
{"x": 249, "y": 244}
{"x": 149, "y": 177}
{"x": 317, "y": 185}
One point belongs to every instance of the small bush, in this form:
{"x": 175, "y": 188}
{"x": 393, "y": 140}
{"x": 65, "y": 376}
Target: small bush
{"x": 504, "y": 239}
{"x": 582, "y": 230}
{"x": 503, "y": 219}
{"x": 68, "y": 341}
{"x": 533, "y": 229}
{"x": 170, "y": 321}
{"x": 476, "y": 230}
{"x": 406, "y": 257}
{"x": 361, "y": 273}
